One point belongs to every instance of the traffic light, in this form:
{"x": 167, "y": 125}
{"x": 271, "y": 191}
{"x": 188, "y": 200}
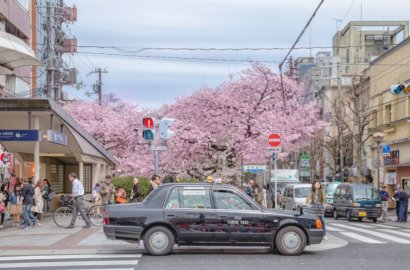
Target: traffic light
{"x": 164, "y": 132}
{"x": 148, "y": 132}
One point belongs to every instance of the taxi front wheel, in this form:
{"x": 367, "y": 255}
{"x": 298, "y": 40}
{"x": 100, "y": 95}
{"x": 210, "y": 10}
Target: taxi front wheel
{"x": 159, "y": 241}
{"x": 290, "y": 241}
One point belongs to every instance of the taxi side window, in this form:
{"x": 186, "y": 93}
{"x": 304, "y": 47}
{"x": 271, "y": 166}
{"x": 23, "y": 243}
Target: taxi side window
{"x": 226, "y": 199}
{"x": 189, "y": 198}
{"x": 290, "y": 193}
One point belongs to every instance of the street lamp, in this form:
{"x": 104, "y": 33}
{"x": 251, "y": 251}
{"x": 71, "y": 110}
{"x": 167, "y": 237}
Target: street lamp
{"x": 378, "y": 137}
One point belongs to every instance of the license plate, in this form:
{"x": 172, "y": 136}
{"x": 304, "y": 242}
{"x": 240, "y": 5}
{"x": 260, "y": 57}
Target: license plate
{"x": 362, "y": 214}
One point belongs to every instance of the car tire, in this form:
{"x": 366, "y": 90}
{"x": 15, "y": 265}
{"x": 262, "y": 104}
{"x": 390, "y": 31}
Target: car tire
{"x": 159, "y": 241}
{"x": 290, "y": 241}
{"x": 348, "y": 216}
{"x": 335, "y": 214}
{"x": 374, "y": 220}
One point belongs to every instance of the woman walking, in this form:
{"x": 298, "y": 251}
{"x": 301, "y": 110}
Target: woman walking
{"x": 136, "y": 191}
{"x": 38, "y": 200}
{"x": 16, "y": 204}
{"x": 317, "y": 203}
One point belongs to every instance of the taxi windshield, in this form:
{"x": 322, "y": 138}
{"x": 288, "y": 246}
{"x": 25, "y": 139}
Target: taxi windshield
{"x": 302, "y": 192}
{"x": 330, "y": 188}
{"x": 365, "y": 193}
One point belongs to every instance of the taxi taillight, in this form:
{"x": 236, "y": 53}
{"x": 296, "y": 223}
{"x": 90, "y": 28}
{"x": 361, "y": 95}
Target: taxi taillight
{"x": 106, "y": 220}
{"x": 319, "y": 224}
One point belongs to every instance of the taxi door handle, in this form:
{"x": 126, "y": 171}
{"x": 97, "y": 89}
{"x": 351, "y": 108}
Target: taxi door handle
{"x": 222, "y": 217}
{"x": 170, "y": 215}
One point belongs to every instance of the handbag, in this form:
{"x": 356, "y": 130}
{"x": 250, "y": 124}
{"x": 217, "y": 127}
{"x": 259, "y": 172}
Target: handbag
{"x": 2, "y": 208}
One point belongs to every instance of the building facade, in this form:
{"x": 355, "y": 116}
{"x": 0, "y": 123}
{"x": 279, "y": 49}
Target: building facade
{"x": 391, "y": 116}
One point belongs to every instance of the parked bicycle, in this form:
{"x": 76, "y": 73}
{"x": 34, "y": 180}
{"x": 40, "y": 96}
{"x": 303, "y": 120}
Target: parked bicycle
{"x": 63, "y": 214}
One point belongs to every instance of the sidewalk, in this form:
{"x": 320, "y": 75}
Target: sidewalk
{"x": 51, "y": 239}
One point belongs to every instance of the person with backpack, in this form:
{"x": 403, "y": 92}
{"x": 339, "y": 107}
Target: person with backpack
{"x": 384, "y": 196}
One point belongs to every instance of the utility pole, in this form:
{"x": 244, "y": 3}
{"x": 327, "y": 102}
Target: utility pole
{"x": 98, "y": 85}
{"x": 340, "y": 109}
{"x": 59, "y": 37}
{"x": 49, "y": 55}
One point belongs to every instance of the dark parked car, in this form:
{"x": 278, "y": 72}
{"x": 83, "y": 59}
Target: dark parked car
{"x": 356, "y": 201}
{"x": 204, "y": 214}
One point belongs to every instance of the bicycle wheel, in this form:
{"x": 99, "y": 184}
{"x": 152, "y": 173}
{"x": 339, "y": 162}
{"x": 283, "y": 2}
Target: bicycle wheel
{"x": 96, "y": 215}
{"x": 62, "y": 216}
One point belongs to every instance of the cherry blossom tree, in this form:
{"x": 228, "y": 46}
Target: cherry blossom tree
{"x": 215, "y": 129}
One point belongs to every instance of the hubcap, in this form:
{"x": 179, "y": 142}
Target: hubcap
{"x": 159, "y": 241}
{"x": 291, "y": 241}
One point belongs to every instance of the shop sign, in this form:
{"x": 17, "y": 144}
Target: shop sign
{"x": 390, "y": 178}
{"x": 56, "y": 137}
{"x": 25, "y": 135}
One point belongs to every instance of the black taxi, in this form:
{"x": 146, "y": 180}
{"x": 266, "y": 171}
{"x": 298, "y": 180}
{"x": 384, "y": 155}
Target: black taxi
{"x": 204, "y": 214}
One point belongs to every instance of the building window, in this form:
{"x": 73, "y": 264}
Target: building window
{"x": 87, "y": 178}
{"x": 387, "y": 114}
{"x": 373, "y": 119}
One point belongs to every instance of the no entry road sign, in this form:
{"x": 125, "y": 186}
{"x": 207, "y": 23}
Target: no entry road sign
{"x": 274, "y": 140}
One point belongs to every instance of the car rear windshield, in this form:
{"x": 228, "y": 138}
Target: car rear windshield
{"x": 302, "y": 192}
{"x": 365, "y": 193}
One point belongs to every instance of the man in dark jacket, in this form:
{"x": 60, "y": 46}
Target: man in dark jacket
{"x": 154, "y": 183}
{"x": 396, "y": 198}
{"x": 404, "y": 203}
{"x": 28, "y": 194}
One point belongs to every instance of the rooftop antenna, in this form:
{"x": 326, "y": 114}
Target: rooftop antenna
{"x": 338, "y": 23}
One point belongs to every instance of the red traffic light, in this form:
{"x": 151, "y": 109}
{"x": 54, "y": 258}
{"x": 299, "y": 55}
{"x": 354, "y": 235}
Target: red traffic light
{"x": 148, "y": 122}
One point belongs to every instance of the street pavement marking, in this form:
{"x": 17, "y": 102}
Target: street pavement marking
{"x": 333, "y": 229}
{"x": 362, "y": 238}
{"x": 386, "y": 226}
{"x": 68, "y": 264}
{"x": 361, "y": 225}
{"x": 79, "y": 256}
{"x": 406, "y": 234}
{"x": 98, "y": 269}
{"x": 377, "y": 234}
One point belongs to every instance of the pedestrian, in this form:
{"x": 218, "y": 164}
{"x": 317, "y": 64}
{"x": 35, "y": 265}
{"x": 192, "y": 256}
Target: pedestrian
{"x": 27, "y": 192}
{"x": 249, "y": 189}
{"x": 107, "y": 190}
{"x": 3, "y": 203}
{"x": 264, "y": 196}
{"x": 16, "y": 204}
{"x": 154, "y": 183}
{"x": 96, "y": 194}
{"x": 136, "y": 191}
{"x": 396, "y": 199}
{"x": 38, "y": 205}
{"x": 121, "y": 195}
{"x": 404, "y": 203}
{"x": 78, "y": 193}
{"x": 46, "y": 195}
{"x": 258, "y": 193}
{"x": 384, "y": 196}
{"x": 316, "y": 201}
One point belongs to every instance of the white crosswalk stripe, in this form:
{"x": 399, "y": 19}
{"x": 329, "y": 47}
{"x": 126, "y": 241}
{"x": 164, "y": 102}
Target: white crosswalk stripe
{"x": 377, "y": 232}
{"x": 74, "y": 262}
{"x": 362, "y": 238}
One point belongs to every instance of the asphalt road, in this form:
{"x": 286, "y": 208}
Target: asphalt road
{"x": 352, "y": 256}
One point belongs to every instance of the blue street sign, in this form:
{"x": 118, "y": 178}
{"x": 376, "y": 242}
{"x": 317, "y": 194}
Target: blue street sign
{"x": 20, "y": 135}
{"x": 386, "y": 150}
{"x": 56, "y": 137}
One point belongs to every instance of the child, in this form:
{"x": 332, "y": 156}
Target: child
{"x": 121, "y": 195}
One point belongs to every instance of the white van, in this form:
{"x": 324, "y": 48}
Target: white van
{"x": 294, "y": 196}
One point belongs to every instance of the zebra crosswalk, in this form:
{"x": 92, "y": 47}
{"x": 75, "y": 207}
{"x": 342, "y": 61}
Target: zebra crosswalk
{"x": 369, "y": 233}
{"x": 72, "y": 262}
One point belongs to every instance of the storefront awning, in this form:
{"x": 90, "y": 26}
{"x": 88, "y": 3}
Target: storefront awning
{"x": 14, "y": 52}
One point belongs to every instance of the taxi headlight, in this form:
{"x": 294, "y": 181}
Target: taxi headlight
{"x": 356, "y": 204}
{"x": 378, "y": 205}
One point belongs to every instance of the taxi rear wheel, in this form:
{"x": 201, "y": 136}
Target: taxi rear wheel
{"x": 159, "y": 241}
{"x": 290, "y": 241}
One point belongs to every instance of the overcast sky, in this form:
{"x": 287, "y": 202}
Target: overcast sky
{"x": 134, "y": 24}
